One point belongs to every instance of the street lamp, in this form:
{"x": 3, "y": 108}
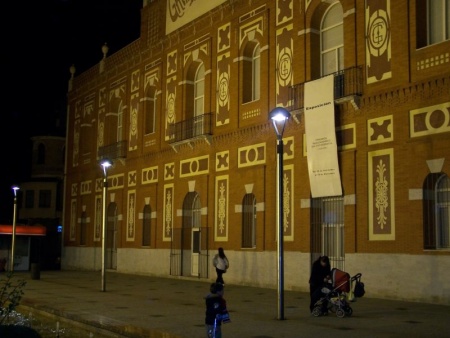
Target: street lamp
{"x": 279, "y": 117}
{"x": 13, "y": 244}
{"x": 105, "y": 165}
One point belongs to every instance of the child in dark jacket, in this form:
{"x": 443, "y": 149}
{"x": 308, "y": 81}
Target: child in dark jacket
{"x": 216, "y": 311}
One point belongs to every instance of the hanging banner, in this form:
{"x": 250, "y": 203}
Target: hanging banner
{"x": 321, "y": 147}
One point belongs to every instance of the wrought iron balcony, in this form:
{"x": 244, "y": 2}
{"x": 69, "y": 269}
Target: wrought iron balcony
{"x": 348, "y": 85}
{"x": 113, "y": 151}
{"x": 187, "y": 131}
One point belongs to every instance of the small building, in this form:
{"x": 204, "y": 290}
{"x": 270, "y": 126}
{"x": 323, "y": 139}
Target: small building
{"x": 41, "y": 198}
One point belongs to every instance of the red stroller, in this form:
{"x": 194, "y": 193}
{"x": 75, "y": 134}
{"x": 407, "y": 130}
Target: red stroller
{"x": 335, "y": 296}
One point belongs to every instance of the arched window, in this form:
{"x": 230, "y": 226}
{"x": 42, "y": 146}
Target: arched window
{"x": 199, "y": 91}
{"x": 249, "y": 221}
{"x": 436, "y": 211}
{"x": 443, "y": 213}
{"x": 332, "y": 40}
{"x": 252, "y": 72}
{"x": 199, "y": 100}
{"x": 113, "y": 119}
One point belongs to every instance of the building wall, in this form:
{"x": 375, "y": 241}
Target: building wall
{"x": 403, "y": 86}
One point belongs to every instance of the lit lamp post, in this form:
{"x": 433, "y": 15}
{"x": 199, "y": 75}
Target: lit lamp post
{"x": 13, "y": 244}
{"x": 279, "y": 117}
{"x": 105, "y": 165}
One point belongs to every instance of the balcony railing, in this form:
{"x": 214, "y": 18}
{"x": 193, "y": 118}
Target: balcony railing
{"x": 348, "y": 85}
{"x": 198, "y": 127}
{"x": 113, "y": 151}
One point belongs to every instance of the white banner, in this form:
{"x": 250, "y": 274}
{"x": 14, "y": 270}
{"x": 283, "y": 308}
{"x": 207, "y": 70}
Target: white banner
{"x": 321, "y": 147}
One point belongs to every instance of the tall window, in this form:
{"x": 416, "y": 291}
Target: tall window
{"x": 438, "y": 16}
{"x": 251, "y": 72}
{"x": 199, "y": 100}
{"x": 150, "y": 110}
{"x": 146, "y": 226}
{"x": 41, "y": 154}
{"x": 45, "y": 198}
{"x": 443, "y": 213}
{"x": 29, "y": 199}
{"x": 436, "y": 211}
{"x": 327, "y": 229}
{"x": 120, "y": 123}
{"x": 113, "y": 120}
{"x": 199, "y": 91}
{"x": 256, "y": 73}
{"x": 249, "y": 221}
{"x": 332, "y": 40}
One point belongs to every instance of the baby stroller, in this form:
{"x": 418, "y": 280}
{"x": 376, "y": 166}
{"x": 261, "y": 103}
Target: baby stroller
{"x": 335, "y": 296}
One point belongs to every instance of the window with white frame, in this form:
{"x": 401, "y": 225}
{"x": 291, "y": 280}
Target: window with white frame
{"x": 199, "y": 99}
{"x": 199, "y": 91}
{"x": 332, "y": 40}
{"x": 438, "y": 21}
{"x": 150, "y": 110}
{"x": 251, "y": 72}
{"x": 256, "y": 73}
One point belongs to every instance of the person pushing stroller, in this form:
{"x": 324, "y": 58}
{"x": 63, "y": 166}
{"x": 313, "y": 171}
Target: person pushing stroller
{"x": 320, "y": 277}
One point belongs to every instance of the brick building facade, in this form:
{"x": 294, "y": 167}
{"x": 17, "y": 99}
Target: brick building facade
{"x": 183, "y": 114}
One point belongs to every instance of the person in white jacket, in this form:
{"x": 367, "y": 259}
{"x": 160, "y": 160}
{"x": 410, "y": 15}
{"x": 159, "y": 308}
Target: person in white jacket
{"x": 221, "y": 264}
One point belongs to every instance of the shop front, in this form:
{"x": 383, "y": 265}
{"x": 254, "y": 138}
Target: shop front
{"x": 23, "y": 253}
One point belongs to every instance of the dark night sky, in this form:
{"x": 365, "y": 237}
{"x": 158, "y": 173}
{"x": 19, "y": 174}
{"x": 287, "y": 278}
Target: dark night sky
{"x": 40, "y": 40}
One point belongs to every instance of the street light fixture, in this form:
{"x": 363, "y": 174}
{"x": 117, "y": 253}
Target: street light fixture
{"x": 279, "y": 117}
{"x": 105, "y": 165}
{"x": 13, "y": 244}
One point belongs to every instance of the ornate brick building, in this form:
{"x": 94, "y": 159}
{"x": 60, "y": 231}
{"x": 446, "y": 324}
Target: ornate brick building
{"x": 183, "y": 114}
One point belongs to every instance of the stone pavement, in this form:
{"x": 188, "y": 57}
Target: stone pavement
{"x": 155, "y": 307}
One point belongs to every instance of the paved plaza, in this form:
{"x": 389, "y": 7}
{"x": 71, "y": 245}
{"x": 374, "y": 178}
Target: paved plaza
{"x": 154, "y": 307}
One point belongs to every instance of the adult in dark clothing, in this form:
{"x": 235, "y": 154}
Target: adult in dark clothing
{"x": 216, "y": 311}
{"x": 320, "y": 275}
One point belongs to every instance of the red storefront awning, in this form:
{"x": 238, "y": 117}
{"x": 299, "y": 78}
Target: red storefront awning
{"x": 24, "y": 230}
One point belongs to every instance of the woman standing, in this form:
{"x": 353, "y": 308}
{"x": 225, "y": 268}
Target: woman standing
{"x": 221, "y": 264}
